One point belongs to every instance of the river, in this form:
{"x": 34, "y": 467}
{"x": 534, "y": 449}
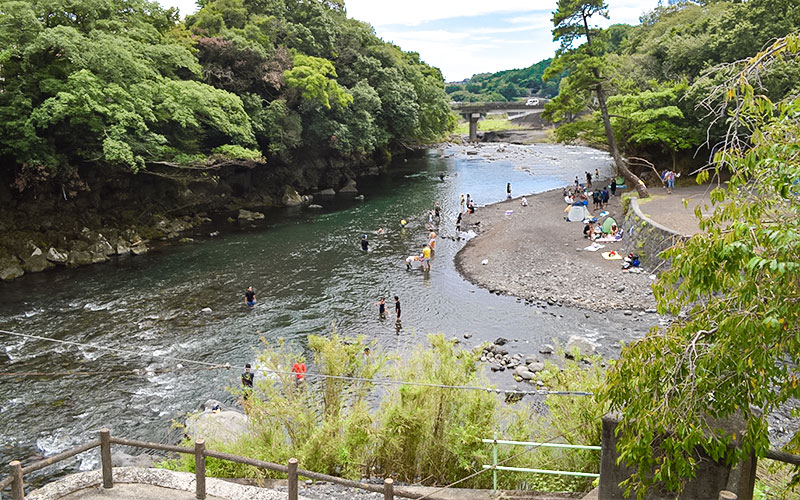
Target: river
{"x": 309, "y": 273}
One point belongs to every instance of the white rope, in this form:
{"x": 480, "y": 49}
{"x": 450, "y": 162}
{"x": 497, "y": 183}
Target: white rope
{"x": 378, "y": 381}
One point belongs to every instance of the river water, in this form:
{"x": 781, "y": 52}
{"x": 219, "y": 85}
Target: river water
{"x": 309, "y": 273}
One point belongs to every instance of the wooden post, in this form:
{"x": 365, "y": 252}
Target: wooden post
{"x": 494, "y": 463}
{"x": 292, "y": 479}
{"x": 388, "y": 489}
{"x": 200, "y": 468}
{"x": 105, "y": 457}
{"x": 17, "y": 487}
{"x": 727, "y": 495}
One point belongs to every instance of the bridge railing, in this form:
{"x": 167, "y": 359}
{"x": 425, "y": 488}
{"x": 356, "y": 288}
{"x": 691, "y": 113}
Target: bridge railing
{"x": 16, "y": 477}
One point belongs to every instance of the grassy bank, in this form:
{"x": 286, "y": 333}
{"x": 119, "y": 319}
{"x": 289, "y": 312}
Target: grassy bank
{"x": 414, "y": 433}
{"x": 488, "y": 125}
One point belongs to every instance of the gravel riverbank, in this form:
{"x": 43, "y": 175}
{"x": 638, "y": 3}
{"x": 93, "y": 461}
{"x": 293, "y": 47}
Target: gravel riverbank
{"x": 534, "y": 254}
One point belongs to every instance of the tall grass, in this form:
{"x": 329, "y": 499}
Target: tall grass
{"x": 416, "y": 434}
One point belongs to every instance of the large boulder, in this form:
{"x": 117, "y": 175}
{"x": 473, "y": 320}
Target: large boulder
{"x": 139, "y": 248}
{"x": 79, "y": 258}
{"x": 349, "y": 189}
{"x": 325, "y": 193}
{"x": 580, "y": 345}
{"x": 36, "y": 263}
{"x": 217, "y": 426}
{"x": 122, "y": 459}
{"x": 57, "y": 256}
{"x": 10, "y": 268}
{"x": 247, "y": 215}
{"x": 122, "y": 247}
{"x": 99, "y": 250}
{"x": 291, "y": 198}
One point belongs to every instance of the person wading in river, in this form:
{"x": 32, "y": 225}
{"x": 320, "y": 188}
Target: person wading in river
{"x": 397, "y": 307}
{"x": 250, "y": 297}
{"x": 247, "y": 381}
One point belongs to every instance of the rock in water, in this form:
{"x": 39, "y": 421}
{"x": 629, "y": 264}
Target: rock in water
{"x": 291, "y": 198}
{"x": 121, "y": 459}
{"x": 36, "y": 263}
{"x": 546, "y": 349}
{"x": 535, "y": 367}
{"x": 223, "y": 426}
{"x": 57, "y": 256}
{"x": 206, "y": 310}
{"x": 139, "y": 248}
{"x": 247, "y": 215}
{"x": 349, "y": 189}
{"x": 581, "y": 345}
{"x": 500, "y": 341}
{"x": 10, "y": 269}
{"x": 79, "y": 258}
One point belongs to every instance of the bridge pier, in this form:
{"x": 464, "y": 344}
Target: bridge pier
{"x": 473, "y": 126}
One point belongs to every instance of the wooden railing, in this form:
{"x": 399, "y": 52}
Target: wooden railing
{"x": 17, "y": 473}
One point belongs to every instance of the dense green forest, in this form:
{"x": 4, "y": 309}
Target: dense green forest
{"x": 125, "y": 84}
{"x": 505, "y": 85}
{"x": 658, "y": 74}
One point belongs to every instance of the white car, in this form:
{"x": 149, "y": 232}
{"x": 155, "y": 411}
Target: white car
{"x": 532, "y": 102}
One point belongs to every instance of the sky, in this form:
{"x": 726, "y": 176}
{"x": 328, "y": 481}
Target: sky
{"x": 465, "y": 37}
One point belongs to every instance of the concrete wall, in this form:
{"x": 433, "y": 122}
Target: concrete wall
{"x": 646, "y": 237}
{"x": 710, "y": 477}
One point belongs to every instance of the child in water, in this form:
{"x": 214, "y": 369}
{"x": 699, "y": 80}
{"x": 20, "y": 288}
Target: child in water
{"x": 382, "y": 307}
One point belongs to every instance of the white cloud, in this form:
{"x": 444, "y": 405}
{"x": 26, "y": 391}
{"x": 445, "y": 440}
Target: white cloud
{"x": 415, "y": 12}
{"x": 464, "y": 37}
{"x": 184, "y": 6}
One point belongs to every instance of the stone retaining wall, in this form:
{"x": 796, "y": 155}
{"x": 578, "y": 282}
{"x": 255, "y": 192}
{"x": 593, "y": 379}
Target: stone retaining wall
{"x": 646, "y": 237}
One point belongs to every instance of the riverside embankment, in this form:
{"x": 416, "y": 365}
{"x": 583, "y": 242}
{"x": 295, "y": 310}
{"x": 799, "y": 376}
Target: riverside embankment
{"x": 187, "y": 300}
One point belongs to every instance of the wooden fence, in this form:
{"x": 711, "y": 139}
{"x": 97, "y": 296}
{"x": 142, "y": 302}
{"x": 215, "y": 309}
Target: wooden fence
{"x": 16, "y": 477}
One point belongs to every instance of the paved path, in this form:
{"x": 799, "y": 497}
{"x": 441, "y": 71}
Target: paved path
{"x": 669, "y": 210}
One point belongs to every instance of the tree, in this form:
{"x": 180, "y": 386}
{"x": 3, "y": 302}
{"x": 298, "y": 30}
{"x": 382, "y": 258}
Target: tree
{"x": 571, "y": 22}
{"x": 652, "y": 117}
{"x": 734, "y": 290}
{"x": 313, "y": 77}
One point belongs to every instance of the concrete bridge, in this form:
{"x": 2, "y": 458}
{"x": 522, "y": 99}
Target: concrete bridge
{"x": 473, "y": 111}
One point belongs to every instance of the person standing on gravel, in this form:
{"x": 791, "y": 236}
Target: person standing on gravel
{"x": 508, "y": 191}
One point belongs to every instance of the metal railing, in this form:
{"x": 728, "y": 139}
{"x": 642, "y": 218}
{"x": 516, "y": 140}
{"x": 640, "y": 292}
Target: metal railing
{"x": 16, "y": 477}
{"x": 495, "y": 467}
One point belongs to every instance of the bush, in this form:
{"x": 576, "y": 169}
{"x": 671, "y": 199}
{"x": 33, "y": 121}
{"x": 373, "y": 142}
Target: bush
{"x": 416, "y": 433}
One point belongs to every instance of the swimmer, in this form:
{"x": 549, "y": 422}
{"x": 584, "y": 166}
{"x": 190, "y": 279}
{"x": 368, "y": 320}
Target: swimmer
{"x": 437, "y": 210}
{"x": 461, "y": 204}
{"x": 380, "y": 230}
{"x": 441, "y": 177}
{"x": 458, "y": 222}
{"x": 409, "y": 260}
{"x": 364, "y": 243}
{"x": 403, "y": 223}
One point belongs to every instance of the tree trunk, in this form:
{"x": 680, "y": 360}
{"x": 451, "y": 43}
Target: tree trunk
{"x": 622, "y": 168}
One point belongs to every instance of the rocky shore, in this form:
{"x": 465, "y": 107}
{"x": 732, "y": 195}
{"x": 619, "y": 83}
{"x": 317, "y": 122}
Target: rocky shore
{"x": 534, "y": 254}
{"x": 49, "y": 232}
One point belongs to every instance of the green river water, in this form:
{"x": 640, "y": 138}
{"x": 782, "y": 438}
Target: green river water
{"x": 309, "y": 273}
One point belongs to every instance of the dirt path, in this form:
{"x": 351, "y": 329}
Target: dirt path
{"x": 668, "y": 209}
{"x": 534, "y": 254}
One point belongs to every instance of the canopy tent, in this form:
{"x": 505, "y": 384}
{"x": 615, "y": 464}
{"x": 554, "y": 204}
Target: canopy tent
{"x": 577, "y": 213}
{"x": 606, "y": 226}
